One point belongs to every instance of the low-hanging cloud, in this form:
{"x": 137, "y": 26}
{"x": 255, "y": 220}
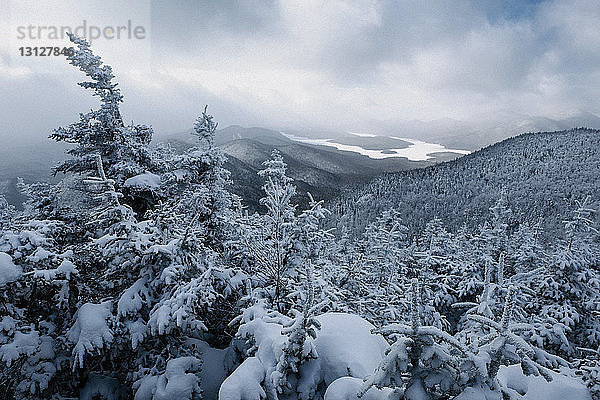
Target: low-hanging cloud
{"x": 343, "y": 64}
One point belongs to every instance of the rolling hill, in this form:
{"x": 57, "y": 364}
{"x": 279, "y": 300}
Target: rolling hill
{"x": 323, "y": 171}
{"x": 541, "y": 176}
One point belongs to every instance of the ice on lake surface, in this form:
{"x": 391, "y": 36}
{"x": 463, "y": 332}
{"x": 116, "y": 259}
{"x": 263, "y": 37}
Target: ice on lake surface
{"x": 417, "y": 151}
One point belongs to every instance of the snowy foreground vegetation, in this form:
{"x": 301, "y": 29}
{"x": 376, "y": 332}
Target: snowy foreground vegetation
{"x": 141, "y": 276}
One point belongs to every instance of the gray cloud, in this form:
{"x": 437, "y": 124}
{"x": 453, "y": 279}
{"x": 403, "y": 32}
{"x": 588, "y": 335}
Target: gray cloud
{"x": 338, "y": 64}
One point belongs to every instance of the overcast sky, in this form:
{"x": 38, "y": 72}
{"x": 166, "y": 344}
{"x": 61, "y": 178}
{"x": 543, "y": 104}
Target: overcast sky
{"x": 332, "y": 64}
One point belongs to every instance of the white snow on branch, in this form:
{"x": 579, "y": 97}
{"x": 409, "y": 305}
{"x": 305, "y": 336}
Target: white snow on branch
{"x": 90, "y": 331}
{"x": 146, "y": 180}
{"x": 9, "y": 272}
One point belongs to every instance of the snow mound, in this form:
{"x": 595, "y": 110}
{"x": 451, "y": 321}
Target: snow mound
{"x": 179, "y": 381}
{"x": 40, "y": 254}
{"x": 133, "y": 298}
{"x": 146, "y": 180}
{"x": 101, "y": 387}
{"x": 245, "y": 383}
{"x": 213, "y": 371}
{"x": 536, "y": 388}
{"x": 9, "y": 272}
{"x": 182, "y": 378}
{"x": 346, "y": 388}
{"x": 344, "y": 343}
{"x": 7, "y": 324}
{"x": 22, "y": 344}
{"x": 66, "y": 269}
{"x": 346, "y": 346}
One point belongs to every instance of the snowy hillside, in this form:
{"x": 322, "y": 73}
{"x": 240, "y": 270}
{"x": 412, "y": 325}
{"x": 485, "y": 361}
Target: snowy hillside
{"x": 541, "y": 175}
{"x": 141, "y": 275}
{"x": 323, "y": 170}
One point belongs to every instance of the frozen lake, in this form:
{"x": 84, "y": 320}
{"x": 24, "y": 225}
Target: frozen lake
{"x": 416, "y": 151}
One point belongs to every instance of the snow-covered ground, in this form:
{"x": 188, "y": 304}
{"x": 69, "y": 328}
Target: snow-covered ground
{"x": 417, "y": 151}
{"x": 348, "y": 351}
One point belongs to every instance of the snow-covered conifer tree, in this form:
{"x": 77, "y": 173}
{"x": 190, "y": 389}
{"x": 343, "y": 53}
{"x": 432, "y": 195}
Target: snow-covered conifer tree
{"x": 39, "y": 287}
{"x": 589, "y": 370}
{"x": 270, "y": 237}
{"x": 196, "y": 183}
{"x": 123, "y": 148}
{"x": 570, "y": 289}
{"x": 168, "y": 278}
{"x": 385, "y": 241}
{"x": 424, "y": 362}
{"x": 386, "y": 252}
{"x": 300, "y": 332}
{"x": 7, "y": 212}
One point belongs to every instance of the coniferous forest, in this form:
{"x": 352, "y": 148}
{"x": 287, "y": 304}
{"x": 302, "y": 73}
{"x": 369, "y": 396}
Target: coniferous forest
{"x": 140, "y": 275}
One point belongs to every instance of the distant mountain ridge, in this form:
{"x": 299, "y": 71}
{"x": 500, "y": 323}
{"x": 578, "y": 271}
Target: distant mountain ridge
{"x": 483, "y": 130}
{"x": 323, "y": 171}
{"x": 473, "y": 134}
{"x": 231, "y": 133}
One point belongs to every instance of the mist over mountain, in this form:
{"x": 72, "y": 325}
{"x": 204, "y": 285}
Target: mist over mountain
{"x": 483, "y": 130}
{"x": 230, "y": 133}
{"x": 323, "y": 171}
{"x": 473, "y": 134}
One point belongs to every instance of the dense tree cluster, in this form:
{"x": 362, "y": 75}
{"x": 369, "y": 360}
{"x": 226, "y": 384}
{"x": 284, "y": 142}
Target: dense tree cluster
{"x": 141, "y": 276}
{"x": 542, "y": 175}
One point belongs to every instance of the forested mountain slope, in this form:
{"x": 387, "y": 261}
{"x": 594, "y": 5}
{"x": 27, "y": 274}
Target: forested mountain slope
{"x": 323, "y": 171}
{"x": 540, "y": 175}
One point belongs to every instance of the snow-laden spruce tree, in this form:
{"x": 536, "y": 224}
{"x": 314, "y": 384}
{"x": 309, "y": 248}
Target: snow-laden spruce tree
{"x": 423, "y": 362}
{"x": 497, "y": 236}
{"x": 123, "y": 148}
{"x": 120, "y": 291}
{"x": 485, "y": 275}
{"x": 589, "y": 370}
{"x": 7, "y": 212}
{"x": 311, "y": 238}
{"x": 311, "y": 245}
{"x": 195, "y": 281}
{"x": 99, "y": 348}
{"x": 350, "y": 275}
{"x": 269, "y": 239}
{"x": 503, "y": 345}
{"x": 39, "y": 286}
{"x": 300, "y": 332}
{"x": 280, "y": 358}
{"x": 385, "y": 240}
{"x": 165, "y": 275}
{"x": 385, "y": 251}
{"x": 194, "y": 188}
{"x": 525, "y": 252}
{"x": 570, "y": 289}
{"x": 274, "y": 247}
{"x": 432, "y": 261}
